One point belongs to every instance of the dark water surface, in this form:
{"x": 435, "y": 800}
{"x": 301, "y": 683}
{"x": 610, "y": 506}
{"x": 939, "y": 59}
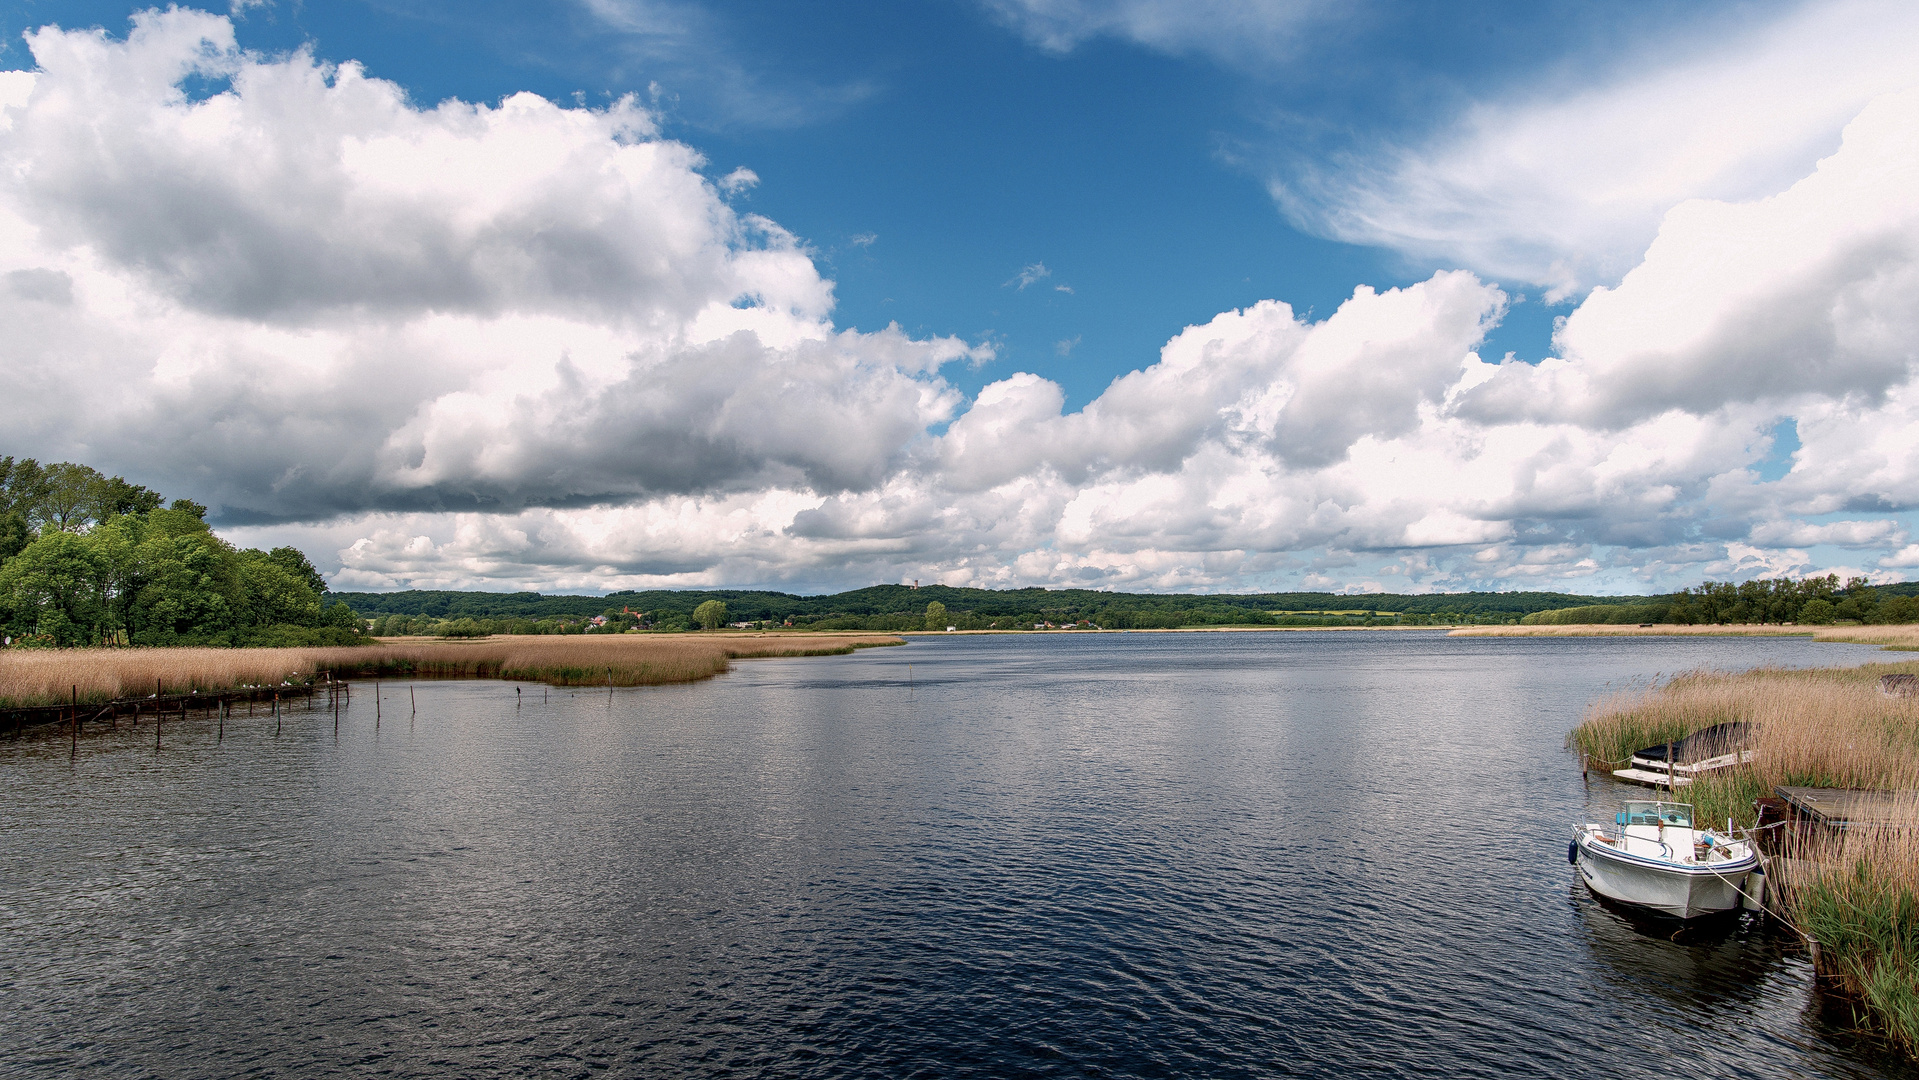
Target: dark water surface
{"x": 1331, "y": 854}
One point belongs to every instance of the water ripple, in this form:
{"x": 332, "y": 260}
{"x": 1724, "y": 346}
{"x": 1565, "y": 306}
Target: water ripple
{"x": 1133, "y": 855}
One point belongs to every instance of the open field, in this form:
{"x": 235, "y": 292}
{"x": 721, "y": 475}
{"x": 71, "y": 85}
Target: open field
{"x": 1892, "y": 637}
{"x": 1853, "y": 892}
{"x": 36, "y": 677}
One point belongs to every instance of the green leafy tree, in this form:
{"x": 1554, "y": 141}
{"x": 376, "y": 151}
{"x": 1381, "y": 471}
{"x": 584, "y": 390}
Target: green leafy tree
{"x": 936, "y": 616}
{"x": 110, "y": 565}
{"x": 113, "y": 497}
{"x": 294, "y": 561}
{"x": 341, "y": 617}
{"x": 275, "y": 594}
{"x": 191, "y": 588}
{"x": 22, "y": 487}
{"x": 15, "y": 535}
{"x": 1860, "y": 601}
{"x": 69, "y": 496}
{"x": 1899, "y": 609}
{"x": 1817, "y": 612}
{"x": 54, "y": 587}
{"x": 710, "y": 615}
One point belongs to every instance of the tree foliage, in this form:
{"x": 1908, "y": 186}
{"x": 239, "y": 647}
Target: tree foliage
{"x": 1816, "y": 601}
{"x": 710, "y": 615}
{"x": 905, "y": 605}
{"x": 87, "y": 559}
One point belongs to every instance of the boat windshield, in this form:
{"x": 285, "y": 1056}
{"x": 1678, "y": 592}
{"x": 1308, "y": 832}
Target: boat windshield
{"x": 1671, "y": 815}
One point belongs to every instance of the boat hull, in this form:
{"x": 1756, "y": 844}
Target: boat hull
{"x": 1681, "y": 891}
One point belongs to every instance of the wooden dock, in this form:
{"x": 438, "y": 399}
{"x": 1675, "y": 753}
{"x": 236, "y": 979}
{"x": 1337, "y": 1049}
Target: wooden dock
{"x": 1653, "y": 773}
{"x": 1843, "y": 808}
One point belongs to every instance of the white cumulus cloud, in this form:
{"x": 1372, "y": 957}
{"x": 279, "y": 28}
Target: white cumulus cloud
{"x": 310, "y": 296}
{"x": 529, "y": 346}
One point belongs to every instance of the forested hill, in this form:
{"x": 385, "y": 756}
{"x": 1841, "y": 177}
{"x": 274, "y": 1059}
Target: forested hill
{"x": 1057, "y": 605}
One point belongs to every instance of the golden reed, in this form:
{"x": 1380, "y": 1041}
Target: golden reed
{"x": 43, "y": 677}
{"x": 1853, "y": 891}
{"x": 1892, "y": 637}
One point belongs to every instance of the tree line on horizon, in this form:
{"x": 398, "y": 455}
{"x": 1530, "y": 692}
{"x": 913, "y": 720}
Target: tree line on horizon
{"x": 902, "y": 603}
{"x": 893, "y": 608}
{"x": 1813, "y": 601}
{"x": 89, "y": 559}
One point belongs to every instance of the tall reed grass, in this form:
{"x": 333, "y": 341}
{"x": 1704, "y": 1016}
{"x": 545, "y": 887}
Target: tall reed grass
{"x": 35, "y": 677}
{"x": 1818, "y": 727}
{"x": 1852, "y": 892}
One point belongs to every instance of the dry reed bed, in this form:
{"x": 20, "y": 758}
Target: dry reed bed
{"x": 1854, "y": 892}
{"x": 1891, "y": 637}
{"x": 1823, "y": 727}
{"x": 34, "y": 677}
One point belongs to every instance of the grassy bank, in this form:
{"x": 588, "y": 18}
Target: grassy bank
{"x": 1904, "y": 637}
{"x": 1854, "y": 893}
{"x": 40, "y": 677}
{"x": 1825, "y": 727}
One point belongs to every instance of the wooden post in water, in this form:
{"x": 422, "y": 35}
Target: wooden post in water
{"x": 276, "y": 712}
{"x": 336, "y": 710}
{"x": 412, "y": 701}
{"x": 74, "y": 723}
{"x": 376, "y": 703}
{"x": 223, "y": 722}
{"x": 609, "y": 686}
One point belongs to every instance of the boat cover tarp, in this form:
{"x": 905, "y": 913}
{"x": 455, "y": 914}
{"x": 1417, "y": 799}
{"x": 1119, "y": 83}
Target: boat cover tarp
{"x": 1705, "y": 743}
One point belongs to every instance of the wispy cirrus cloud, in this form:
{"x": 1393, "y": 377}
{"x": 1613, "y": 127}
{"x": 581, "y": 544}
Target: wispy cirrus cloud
{"x": 688, "y": 51}
{"x": 1242, "y": 33}
{"x": 1030, "y": 274}
{"x": 1557, "y": 179}
{"x": 1563, "y": 186}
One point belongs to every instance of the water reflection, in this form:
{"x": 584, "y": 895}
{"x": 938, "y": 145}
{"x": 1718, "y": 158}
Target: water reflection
{"x": 1720, "y": 960}
{"x": 1222, "y": 855}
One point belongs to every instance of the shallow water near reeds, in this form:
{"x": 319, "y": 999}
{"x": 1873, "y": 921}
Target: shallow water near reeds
{"x": 1312, "y": 854}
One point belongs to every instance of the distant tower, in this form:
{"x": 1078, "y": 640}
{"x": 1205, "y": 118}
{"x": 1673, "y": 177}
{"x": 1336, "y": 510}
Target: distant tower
{"x": 916, "y": 583}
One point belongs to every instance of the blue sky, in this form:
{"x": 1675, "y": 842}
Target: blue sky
{"x": 1040, "y": 194}
{"x": 967, "y": 154}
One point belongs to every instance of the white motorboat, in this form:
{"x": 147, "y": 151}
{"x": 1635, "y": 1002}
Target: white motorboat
{"x": 1653, "y": 857}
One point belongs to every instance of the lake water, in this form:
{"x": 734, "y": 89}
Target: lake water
{"x": 1247, "y": 854}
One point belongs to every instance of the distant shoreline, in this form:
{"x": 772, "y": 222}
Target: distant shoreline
{"x": 1903, "y": 637}
{"x": 1165, "y": 630}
